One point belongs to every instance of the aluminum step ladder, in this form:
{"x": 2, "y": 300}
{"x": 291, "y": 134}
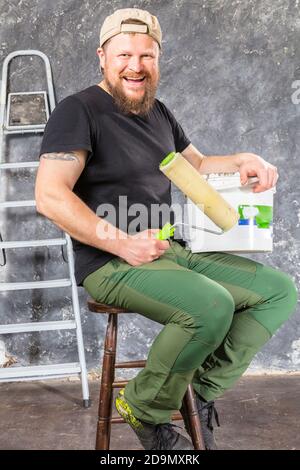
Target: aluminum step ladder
{"x": 12, "y": 122}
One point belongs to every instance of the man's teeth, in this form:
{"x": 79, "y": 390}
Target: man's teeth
{"x": 134, "y": 79}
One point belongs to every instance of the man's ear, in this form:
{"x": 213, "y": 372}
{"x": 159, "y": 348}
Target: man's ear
{"x": 101, "y": 55}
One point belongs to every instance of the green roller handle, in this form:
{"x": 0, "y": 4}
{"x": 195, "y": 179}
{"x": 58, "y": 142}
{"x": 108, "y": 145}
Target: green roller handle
{"x": 166, "y": 232}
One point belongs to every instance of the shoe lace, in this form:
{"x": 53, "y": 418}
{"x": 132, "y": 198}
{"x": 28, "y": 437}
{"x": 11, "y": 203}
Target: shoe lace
{"x": 165, "y": 435}
{"x": 211, "y": 414}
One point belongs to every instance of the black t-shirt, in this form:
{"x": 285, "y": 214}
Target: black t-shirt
{"x": 124, "y": 153}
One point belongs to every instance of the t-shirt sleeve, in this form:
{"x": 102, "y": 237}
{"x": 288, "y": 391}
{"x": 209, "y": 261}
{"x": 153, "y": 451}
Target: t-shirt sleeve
{"x": 180, "y": 138}
{"x": 68, "y": 128}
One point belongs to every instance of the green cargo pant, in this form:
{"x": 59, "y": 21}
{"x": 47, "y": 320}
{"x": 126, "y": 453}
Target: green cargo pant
{"x": 218, "y": 310}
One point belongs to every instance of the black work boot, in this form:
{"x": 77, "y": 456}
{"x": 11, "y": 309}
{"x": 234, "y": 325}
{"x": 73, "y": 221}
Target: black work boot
{"x": 207, "y": 412}
{"x": 152, "y": 436}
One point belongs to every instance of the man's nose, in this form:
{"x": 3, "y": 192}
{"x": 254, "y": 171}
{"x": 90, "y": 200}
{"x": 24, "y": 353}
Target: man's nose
{"x": 135, "y": 64}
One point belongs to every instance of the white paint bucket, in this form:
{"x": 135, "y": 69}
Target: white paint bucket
{"x": 252, "y": 233}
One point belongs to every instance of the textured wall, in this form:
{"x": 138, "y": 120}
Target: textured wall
{"x": 227, "y": 73}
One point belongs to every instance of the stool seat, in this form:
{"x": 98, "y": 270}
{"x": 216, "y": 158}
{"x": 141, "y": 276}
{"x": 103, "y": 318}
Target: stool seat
{"x": 98, "y": 307}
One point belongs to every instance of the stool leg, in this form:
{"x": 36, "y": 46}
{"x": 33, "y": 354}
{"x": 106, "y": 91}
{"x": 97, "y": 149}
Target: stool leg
{"x": 107, "y": 379}
{"x": 189, "y": 403}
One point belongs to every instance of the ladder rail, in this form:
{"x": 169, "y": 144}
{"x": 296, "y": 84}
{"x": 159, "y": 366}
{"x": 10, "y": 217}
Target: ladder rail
{"x": 76, "y": 308}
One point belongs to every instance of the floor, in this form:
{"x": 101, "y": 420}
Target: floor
{"x": 261, "y": 412}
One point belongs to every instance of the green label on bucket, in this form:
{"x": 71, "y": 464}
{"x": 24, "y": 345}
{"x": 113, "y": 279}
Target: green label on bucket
{"x": 261, "y": 216}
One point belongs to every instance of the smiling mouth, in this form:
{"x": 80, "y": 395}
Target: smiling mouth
{"x": 134, "y": 80}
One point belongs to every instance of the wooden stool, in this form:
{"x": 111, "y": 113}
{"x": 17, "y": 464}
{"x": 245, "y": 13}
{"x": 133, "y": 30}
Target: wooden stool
{"x": 108, "y": 383}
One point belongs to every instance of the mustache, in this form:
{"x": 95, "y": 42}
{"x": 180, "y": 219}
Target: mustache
{"x": 144, "y": 74}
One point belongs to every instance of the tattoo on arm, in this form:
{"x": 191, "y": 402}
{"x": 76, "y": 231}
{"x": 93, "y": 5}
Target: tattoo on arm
{"x": 71, "y": 156}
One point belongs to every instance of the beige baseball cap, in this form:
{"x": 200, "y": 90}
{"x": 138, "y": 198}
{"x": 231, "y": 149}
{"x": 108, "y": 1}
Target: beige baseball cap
{"x": 114, "y": 24}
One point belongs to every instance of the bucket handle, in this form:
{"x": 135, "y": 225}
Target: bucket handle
{"x": 168, "y": 230}
{"x": 251, "y": 180}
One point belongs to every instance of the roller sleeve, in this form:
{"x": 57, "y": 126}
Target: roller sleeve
{"x": 194, "y": 186}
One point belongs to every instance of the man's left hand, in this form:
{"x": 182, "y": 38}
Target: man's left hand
{"x": 253, "y": 165}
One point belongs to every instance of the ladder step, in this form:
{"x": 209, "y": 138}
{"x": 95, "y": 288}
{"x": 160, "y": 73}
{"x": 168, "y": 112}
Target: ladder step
{"x": 37, "y": 326}
{"x": 31, "y": 243}
{"x": 8, "y": 374}
{"x": 24, "y": 131}
{"x": 8, "y": 166}
{"x": 4, "y": 286}
{"x": 17, "y": 203}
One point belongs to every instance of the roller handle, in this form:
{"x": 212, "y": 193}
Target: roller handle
{"x": 166, "y": 232}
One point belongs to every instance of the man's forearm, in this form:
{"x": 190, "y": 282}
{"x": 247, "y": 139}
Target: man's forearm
{"x": 215, "y": 164}
{"x": 246, "y": 163}
{"x": 73, "y": 216}
{"x": 220, "y": 164}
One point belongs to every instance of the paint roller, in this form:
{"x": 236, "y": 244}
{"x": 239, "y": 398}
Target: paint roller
{"x": 201, "y": 193}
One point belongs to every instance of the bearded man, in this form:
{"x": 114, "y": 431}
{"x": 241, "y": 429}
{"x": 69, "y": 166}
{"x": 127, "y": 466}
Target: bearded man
{"x": 106, "y": 143}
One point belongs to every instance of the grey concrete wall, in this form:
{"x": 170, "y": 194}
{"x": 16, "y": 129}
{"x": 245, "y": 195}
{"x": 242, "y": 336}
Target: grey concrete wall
{"x": 227, "y": 72}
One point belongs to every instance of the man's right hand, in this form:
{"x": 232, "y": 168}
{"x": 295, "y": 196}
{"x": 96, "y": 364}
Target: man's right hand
{"x": 142, "y": 248}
